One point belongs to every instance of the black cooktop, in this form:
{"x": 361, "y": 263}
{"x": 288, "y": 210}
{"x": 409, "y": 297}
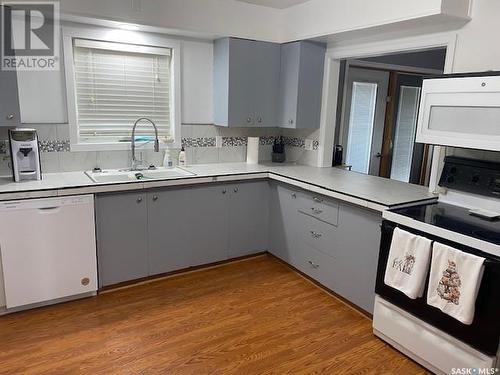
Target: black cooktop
{"x": 454, "y": 218}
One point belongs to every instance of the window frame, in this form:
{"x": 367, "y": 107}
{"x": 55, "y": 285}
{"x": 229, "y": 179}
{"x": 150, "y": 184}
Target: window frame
{"x": 126, "y": 37}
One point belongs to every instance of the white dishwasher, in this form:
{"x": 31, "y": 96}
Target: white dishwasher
{"x": 48, "y": 249}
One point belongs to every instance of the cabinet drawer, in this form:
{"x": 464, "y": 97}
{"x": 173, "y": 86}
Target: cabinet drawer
{"x": 317, "y": 206}
{"x": 315, "y": 264}
{"x": 316, "y": 233}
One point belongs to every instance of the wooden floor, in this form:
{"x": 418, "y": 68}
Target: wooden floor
{"x": 251, "y": 317}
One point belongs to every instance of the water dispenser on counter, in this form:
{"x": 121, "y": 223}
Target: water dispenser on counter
{"x": 25, "y": 154}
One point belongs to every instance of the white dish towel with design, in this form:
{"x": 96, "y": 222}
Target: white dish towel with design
{"x": 454, "y": 282}
{"x": 408, "y": 263}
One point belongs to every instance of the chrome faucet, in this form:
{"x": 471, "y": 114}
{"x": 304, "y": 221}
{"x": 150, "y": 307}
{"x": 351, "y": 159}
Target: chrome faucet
{"x": 136, "y": 164}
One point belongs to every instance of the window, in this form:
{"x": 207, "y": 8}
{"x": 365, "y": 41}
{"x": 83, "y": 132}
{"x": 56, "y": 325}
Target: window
{"x": 112, "y": 85}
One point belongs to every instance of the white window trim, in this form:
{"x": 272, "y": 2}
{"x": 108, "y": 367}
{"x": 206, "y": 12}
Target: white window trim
{"x": 127, "y": 37}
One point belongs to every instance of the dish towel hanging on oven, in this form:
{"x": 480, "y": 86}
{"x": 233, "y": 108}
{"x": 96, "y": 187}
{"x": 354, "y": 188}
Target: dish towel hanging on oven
{"x": 454, "y": 282}
{"x": 408, "y": 263}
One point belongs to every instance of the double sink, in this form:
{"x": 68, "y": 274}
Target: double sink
{"x": 127, "y": 175}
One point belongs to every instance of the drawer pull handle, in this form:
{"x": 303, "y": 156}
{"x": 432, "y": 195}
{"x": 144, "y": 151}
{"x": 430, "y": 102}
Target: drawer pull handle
{"x": 294, "y": 195}
{"x": 313, "y": 265}
{"x": 315, "y": 234}
{"x": 316, "y": 211}
{"x": 318, "y": 200}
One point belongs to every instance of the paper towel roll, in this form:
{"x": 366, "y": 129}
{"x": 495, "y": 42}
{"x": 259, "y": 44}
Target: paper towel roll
{"x": 253, "y": 150}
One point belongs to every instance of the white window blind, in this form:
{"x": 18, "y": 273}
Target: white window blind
{"x": 118, "y": 83}
{"x": 406, "y": 126}
{"x": 361, "y": 122}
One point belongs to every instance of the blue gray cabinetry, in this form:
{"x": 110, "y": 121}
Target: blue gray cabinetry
{"x": 122, "y": 237}
{"x": 301, "y": 82}
{"x": 333, "y": 242}
{"x": 169, "y": 235}
{"x": 9, "y": 100}
{"x": 246, "y": 83}
{"x": 167, "y": 229}
{"x": 208, "y": 224}
{"x": 248, "y": 218}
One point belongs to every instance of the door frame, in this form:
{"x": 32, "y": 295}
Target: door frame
{"x": 331, "y": 80}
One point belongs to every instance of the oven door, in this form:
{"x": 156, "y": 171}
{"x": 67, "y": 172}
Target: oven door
{"x": 484, "y": 332}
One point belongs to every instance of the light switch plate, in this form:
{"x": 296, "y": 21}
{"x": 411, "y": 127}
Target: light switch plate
{"x": 218, "y": 141}
{"x": 308, "y": 144}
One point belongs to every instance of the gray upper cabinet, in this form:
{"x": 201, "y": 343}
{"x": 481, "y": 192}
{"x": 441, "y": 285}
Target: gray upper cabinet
{"x": 248, "y": 218}
{"x": 169, "y": 234}
{"x": 9, "y": 102}
{"x": 301, "y": 84}
{"x": 122, "y": 239}
{"x": 246, "y": 83}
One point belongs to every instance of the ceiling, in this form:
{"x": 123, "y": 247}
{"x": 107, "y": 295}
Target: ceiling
{"x": 278, "y": 4}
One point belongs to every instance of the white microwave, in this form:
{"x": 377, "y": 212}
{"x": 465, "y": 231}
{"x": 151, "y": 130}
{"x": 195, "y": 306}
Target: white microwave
{"x": 461, "y": 110}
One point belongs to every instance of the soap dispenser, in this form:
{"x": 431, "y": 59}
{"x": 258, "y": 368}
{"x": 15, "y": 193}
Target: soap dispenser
{"x": 182, "y": 157}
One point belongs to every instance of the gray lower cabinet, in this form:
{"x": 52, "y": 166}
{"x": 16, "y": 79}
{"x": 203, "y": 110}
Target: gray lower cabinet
{"x": 208, "y": 223}
{"x": 122, "y": 237}
{"x": 167, "y": 229}
{"x": 248, "y": 218}
{"x": 333, "y": 242}
{"x": 283, "y": 207}
{"x": 169, "y": 235}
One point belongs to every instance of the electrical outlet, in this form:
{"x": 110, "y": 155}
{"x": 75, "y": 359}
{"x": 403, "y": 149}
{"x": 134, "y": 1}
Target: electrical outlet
{"x": 218, "y": 141}
{"x": 308, "y": 144}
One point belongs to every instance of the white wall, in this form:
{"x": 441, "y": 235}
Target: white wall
{"x": 197, "y": 64}
{"x": 196, "y": 83}
{"x": 324, "y": 17}
{"x": 216, "y": 18}
{"x": 477, "y": 47}
{"x": 211, "y": 17}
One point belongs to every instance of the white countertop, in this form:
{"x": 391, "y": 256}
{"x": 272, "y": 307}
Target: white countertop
{"x": 374, "y": 192}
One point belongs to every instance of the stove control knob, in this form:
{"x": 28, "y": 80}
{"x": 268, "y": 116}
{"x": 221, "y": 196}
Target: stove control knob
{"x": 475, "y": 179}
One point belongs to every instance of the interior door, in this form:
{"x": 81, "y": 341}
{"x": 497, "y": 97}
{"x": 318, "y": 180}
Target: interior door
{"x": 363, "y": 118}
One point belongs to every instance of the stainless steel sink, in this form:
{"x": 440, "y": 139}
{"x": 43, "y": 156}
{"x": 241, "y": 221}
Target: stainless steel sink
{"x": 126, "y": 175}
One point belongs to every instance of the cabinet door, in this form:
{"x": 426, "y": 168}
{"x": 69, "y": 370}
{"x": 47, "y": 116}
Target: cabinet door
{"x": 248, "y": 218}
{"x": 9, "y": 102}
{"x": 312, "y": 60}
{"x": 242, "y": 68}
{"x": 283, "y": 221}
{"x": 121, "y": 237}
{"x": 267, "y": 72}
{"x": 357, "y": 242}
{"x": 169, "y": 233}
{"x": 289, "y": 84}
{"x": 208, "y": 224}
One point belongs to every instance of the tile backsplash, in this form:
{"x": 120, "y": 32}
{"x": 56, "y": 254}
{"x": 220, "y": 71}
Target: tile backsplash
{"x": 199, "y": 142}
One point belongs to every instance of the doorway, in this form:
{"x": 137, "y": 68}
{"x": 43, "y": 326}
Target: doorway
{"x": 363, "y": 122}
{"x": 380, "y": 101}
